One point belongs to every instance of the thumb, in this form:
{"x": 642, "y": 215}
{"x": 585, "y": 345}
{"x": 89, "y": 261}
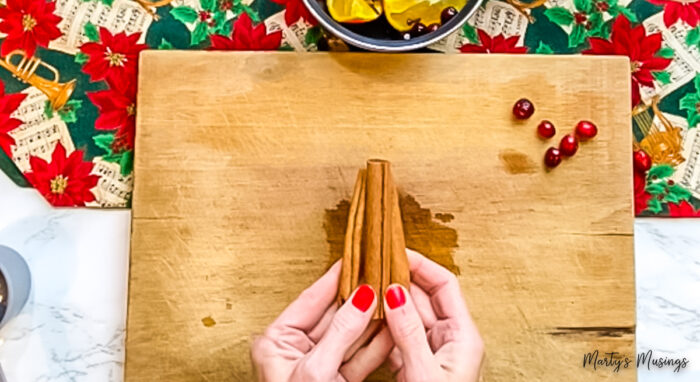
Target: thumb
{"x": 347, "y": 326}
{"x": 409, "y": 334}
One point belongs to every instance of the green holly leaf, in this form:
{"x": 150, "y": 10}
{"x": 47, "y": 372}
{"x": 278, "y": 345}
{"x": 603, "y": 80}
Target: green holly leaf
{"x": 655, "y": 188}
{"x": 544, "y": 49}
{"x": 252, "y": 13}
{"x": 654, "y": 206}
{"x": 584, "y": 6}
{"x": 219, "y": 20}
{"x": 313, "y": 35}
{"x": 68, "y": 111}
{"x": 577, "y": 36}
{"x": 559, "y": 15}
{"x": 48, "y": 110}
{"x": 200, "y": 33}
{"x": 470, "y": 33}
{"x": 693, "y": 37}
{"x": 208, "y": 5}
{"x": 680, "y": 192}
{"x": 696, "y": 82}
{"x": 596, "y": 20}
{"x": 81, "y": 58}
{"x": 286, "y": 48}
{"x": 613, "y": 11}
{"x": 688, "y": 101}
{"x": 665, "y": 52}
{"x": 165, "y": 44}
{"x": 660, "y": 171}
{"x": 91, "y": 32}
{"x": 112, "y": 158}
{"x": 226, "y": 28}
{"x": 671, "y": 198}
{"x": 693, "y": 119}
{"x": 631, "y": 16}
{"x": 663, "y": 77}
{"x": 126, "y": 162}
{"x": 104, "y": 141}
{"x": 184, "y": 14}
{"x": 107, "y": 2}
{"x": 604, "y": 30}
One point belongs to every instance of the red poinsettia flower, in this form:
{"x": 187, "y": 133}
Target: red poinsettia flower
{"x": 64, "y": 182}
{"x": 114, "y": 58}
{"x": 684, "y": 209}
{"x": 8, "y": 104}
{"x": 498, "y": 44}
{"x": 247, "y": 37}
{"x": 640, "y": 48}
{"x": 28, "y": 23}
{"x": 688, "y": 11}
{"x": 295, "y": 10}
{"x": 117, "y": 112}
{"x": 641, "y": 196}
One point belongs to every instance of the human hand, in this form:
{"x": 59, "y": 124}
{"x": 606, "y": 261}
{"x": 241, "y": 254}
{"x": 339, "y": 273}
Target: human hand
{"x": 435, "y": 337}
{"x": 314, "y": 340}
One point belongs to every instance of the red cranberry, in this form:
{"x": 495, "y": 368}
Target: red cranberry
{"x": 418, "y": 29}
{"x": 546, "y": 129}
{"x": 568, "y": 145}
{"x": 552, "y": 157}
{"x": 523, "y": 109}
{"x": 433, "y": 27}
{"x": 586, "y": 130}
{"x": 642, "y": 161}
{"x": 447, "y": 14}
{"x": 204, "y": 15}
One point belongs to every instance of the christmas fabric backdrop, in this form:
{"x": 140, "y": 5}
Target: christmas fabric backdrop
{"x": 69, "y": 70}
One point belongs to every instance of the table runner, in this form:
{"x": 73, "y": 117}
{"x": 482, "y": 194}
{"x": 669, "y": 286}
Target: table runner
{"x": 67, "y": 106}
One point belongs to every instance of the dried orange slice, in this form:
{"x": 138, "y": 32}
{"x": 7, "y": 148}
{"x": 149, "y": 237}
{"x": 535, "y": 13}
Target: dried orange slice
{"x": 354, "y": 11}
{"x": 402, "y": 14}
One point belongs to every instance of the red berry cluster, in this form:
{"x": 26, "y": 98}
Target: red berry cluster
{"x": 568, "y": 145}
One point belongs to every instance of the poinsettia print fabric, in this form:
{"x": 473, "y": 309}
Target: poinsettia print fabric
{"x": 28, "y": 24}
{"x": 75, "y": 144}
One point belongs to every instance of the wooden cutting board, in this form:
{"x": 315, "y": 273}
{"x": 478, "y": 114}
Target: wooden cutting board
{"x": 245, "y": 162}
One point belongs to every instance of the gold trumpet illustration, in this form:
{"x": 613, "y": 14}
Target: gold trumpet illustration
{"x": 151, "y": 6}
{"x": 25, "y": 69}
{"x": 665, "y": 146}
{"x": 523, "y": 6}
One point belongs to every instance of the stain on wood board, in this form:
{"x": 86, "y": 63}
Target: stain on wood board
{"x": 423, "y": 234}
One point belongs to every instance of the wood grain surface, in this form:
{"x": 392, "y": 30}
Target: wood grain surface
{"x": 242, "y": 158}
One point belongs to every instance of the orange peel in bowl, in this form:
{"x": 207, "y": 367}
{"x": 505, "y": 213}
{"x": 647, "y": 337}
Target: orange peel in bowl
{"x": 354, "y": 11}
{"x": 403, "y": 14}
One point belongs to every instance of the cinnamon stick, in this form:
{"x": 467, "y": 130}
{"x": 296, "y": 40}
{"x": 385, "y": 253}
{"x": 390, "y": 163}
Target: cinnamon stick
{"x": 374, "y": 249}
{"x": 373, "y": 234}
{"x": 351, "y": 258}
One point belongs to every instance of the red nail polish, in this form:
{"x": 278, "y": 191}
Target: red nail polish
{"x": 363, "y": 297}
{"x": 395, "y": 297}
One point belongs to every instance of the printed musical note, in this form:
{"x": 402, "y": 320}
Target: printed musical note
{"x": 38, "y": 135}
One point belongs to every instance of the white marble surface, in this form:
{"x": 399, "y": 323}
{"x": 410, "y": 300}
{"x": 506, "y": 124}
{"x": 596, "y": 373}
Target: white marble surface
{"x": 667, "y": 261}
{"x": 73, "y": 327}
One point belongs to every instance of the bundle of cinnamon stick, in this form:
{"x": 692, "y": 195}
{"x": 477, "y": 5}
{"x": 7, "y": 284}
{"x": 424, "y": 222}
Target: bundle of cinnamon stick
{"x": 375, "y": 249}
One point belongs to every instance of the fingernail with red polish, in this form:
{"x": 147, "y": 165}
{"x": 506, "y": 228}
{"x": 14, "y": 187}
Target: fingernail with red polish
{"x": 363, "y": 297}
{"x": 395, "y": 297}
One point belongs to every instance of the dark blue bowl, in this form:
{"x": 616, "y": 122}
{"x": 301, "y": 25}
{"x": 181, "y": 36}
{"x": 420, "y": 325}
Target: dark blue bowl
{"x": 379, "y": 36}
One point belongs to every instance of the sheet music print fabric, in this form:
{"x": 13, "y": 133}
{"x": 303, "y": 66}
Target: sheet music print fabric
{"x": 96, "y": 44}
